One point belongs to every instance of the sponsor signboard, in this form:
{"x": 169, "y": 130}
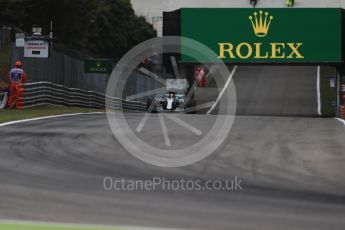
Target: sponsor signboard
{"x": 299, "y": 35}
{"x": 36, "y": 48}
{"x": 104, "y": 66}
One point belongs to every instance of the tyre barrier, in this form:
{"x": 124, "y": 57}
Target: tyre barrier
{"x": 44, "y": 93}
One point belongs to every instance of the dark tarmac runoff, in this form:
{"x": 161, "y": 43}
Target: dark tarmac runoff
{"x": 276, "y": 90}
{"x": 292, "y": 167}
{"x": 271, "y": 91}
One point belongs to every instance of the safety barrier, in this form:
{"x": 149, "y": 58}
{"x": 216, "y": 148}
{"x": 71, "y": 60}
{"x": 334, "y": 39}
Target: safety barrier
{"x": 43, "y": 93}
{"x": 3, "y": 99}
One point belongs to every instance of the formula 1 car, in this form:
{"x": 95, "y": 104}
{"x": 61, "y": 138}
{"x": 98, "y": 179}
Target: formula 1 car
{"x": 173, "y": 100}
{"x": 170, "y": 102}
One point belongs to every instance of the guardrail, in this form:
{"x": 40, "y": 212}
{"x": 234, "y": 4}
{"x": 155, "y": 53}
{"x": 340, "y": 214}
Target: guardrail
{"x": 3, "y": 99}
{"x": 43, "y": 93}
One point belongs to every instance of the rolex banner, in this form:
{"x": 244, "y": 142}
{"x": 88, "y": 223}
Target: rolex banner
{"x": 265, "y": 35}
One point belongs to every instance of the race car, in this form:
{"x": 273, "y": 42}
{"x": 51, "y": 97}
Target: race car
{"x": 173, "y": 100}
{"x": 170, "y": 102}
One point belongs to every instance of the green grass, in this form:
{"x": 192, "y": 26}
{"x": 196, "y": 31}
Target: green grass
{"x": 43, "y": 227}
{"x": 33, "y": 226}
{"x": 42, "y": 111}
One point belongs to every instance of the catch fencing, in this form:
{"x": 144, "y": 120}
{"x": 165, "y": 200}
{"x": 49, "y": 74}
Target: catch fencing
{"x": 66, "y": 67}
{"x": 63, "y": 67}
{"x": 5, "y": 36}
{"x": 43, "y": 93}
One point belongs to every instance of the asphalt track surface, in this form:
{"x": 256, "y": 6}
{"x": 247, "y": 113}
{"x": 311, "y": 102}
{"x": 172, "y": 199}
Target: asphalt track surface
{"x": 291, "y": 168}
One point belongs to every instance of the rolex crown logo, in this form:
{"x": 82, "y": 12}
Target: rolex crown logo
{"x": 261, "y": 23}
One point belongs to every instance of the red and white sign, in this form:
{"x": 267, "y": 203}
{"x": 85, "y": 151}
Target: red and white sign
{"x": 36, "y": 49}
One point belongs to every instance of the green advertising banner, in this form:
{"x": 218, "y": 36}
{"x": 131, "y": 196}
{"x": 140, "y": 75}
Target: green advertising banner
{"x": 104, "y": 66}
{"x": 296, "y": 35}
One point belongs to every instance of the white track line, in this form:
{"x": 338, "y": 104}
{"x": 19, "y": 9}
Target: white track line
{"x": 223, "y": 90}
{"x": 47, "y": 117}
{"x": 318, "y": 91}
{"x": 341, "y": 120}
